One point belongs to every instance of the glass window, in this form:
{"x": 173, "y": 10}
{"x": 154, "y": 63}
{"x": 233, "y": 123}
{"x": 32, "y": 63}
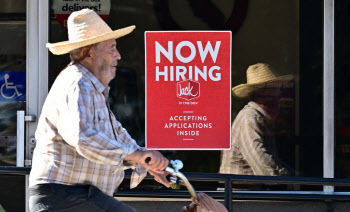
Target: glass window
{"x": 12, "y": 97}
{"x": 309, "y": 141}
{"x": 342, "y": 88}
{"x": 288, "y": 35}
{"x": 12, "y": 76}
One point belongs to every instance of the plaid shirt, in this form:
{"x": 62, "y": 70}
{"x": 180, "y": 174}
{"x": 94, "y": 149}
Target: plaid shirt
{"x": 253, "y": 149}
{"x": 79, "y": 140}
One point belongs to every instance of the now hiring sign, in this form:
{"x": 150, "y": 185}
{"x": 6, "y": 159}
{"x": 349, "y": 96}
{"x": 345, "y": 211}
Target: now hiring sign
{"x": 188, "y": 89}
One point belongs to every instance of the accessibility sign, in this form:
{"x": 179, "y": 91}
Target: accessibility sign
{"x": 13, "y": 86}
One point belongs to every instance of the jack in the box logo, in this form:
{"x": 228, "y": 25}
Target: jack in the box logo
{"x": 188, "y": 90}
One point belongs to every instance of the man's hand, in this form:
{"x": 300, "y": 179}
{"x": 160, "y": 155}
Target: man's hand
{"x": 161, "y": 178}
{"x": 157, "y": 164}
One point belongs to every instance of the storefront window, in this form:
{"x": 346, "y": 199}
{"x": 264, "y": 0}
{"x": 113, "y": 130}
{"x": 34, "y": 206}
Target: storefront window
{"x": 12, "y": 98}
{"x": 285, "y": 34}
{"x": 342, "y": 88}
{"x": 12, "y": 78}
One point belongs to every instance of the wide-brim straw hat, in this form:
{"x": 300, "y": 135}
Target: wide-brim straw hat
{"x": 85, "y": 27}
{"x": 258, "y": 75}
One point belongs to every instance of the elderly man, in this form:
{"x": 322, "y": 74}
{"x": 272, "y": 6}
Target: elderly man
{"x": 253, "y": 149}
{"x": 82, "y": 150}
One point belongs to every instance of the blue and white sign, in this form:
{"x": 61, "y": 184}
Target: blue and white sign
{"x": 13, "y": 86}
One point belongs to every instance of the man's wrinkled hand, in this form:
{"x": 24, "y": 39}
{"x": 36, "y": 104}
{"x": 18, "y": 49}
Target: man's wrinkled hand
{"x": 157, "y": 162}
{"x": 161, "y": 178}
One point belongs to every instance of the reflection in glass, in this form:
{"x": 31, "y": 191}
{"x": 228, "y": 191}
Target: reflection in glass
{"x": 8, "y": 124}
{"x": 253, "y": 146}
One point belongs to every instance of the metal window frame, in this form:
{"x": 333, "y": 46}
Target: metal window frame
{"x": 37, "y": 61}
{"x": 328, "y": 92}
{"x": 37, "y": 30}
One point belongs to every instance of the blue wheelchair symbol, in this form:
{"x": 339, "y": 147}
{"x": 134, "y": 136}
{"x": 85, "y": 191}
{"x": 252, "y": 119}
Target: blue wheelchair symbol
{"x": 9, "y": 85}
{"x": 14, "y": 86}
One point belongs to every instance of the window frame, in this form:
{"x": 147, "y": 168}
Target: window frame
{"x": 328, "y": 92}
{"x": 37, "y": 57}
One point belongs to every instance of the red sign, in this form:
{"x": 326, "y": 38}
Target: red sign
{"x": 188, "y": 90}
{"x": 63, "y": 8}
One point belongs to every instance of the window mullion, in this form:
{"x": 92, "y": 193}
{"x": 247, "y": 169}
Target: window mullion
{"x": 328, "y": 94}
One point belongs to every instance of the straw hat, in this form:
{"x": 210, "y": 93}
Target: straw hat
{"x": 85, "y": 27}
{"x": 257, "y": 75}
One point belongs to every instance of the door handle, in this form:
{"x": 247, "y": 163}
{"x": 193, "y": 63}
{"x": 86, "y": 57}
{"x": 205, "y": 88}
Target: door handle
{"x": 21, "y": 119}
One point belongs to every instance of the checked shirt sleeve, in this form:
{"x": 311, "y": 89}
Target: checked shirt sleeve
{"x": 79, "y": 128}
{"x": 256, "y": 151}
{"x": 139, "y": 172}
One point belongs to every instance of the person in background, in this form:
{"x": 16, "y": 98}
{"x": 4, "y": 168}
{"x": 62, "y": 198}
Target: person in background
{"x": 82, "y": 150}
{"x": 253, "y": 148}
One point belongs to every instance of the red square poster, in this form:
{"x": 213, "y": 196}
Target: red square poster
{"x": 188, "y": 90}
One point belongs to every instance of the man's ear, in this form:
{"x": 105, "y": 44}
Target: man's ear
{"x": 86, "y": 52}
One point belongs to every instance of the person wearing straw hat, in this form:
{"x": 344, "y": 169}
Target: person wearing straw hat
{"x": 82, "y": 150}
{"x": 253, "y": 149}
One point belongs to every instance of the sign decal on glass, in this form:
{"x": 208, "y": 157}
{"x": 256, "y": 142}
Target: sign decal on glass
{"x": 63, "y": 8}
{"x": 188, "y": 89}
{"x": 13, "y": 86}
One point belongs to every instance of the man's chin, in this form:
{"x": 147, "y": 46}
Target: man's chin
{"x": 114, "y": 73}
